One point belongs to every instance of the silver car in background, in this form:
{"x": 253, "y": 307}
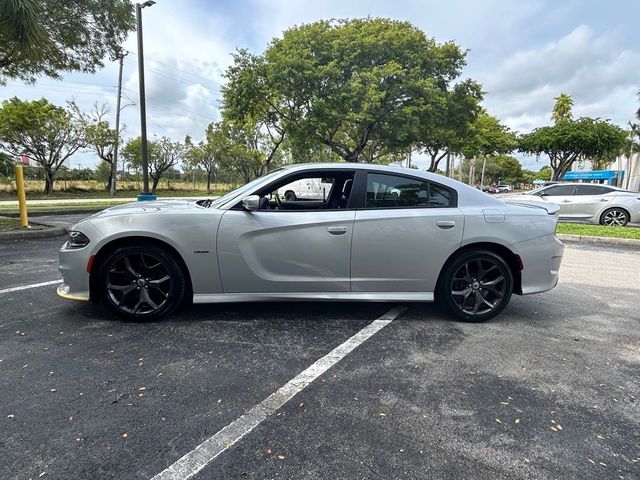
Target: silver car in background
{"x": 381, "y": 234}
{"x": 603, "y": 204}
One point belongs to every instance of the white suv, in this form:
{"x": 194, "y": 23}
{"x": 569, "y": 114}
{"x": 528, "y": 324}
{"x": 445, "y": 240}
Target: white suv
{"x": 307, "y": 189}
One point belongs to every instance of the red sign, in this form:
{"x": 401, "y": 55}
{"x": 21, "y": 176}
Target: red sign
{"x": 24, "y": 159}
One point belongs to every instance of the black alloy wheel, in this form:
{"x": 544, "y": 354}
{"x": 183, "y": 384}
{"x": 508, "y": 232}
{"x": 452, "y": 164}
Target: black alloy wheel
{"x": 142, "y": 282}
{"x": 476, "y": 286}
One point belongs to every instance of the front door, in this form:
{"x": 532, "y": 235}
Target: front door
{"x": 562, "y": 195}
{"x": 406, "y": 230}
{"x": 301, "y": 247}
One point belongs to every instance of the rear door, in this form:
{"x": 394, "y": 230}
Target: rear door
{"x": 403, "y": 232}
{"x": 561, "y": 195}
{"x": 589, "y": 200}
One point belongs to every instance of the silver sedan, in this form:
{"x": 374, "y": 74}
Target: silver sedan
{"x": 592, "y": 203}
{"x": 379, "y": 234}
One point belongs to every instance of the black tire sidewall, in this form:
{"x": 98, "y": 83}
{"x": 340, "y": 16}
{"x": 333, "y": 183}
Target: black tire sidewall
{"x": 445, "y": 298}
{"x": 178, "y": 284}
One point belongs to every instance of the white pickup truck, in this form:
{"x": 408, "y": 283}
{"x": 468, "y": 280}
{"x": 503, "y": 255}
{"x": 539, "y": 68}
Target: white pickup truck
{"x": 307, "y": 189}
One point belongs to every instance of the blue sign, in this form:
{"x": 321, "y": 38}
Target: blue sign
{"x": 594, "y": 175}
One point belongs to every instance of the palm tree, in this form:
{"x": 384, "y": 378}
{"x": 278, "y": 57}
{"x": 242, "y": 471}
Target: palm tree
{"x": 562, "y": 108}
{"x": 20, "y": 25}
{"x": 638, "y": 112}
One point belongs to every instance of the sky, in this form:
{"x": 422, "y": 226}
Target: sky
{"x": 523, "y": 52}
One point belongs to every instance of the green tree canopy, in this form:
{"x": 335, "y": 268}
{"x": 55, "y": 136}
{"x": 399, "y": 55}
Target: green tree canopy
{"x": 164, "y": 154}
{"x": 488, "y": 137}
{"x": 99, "y": 135}
{"x": 46, "y": 133}
{"x": 207, "y": 153}
{"x": 362, "y": 87}
{"x": 47, "y": 37}
{"x": 570, "y": 140}
{"x": 454, "y": 122}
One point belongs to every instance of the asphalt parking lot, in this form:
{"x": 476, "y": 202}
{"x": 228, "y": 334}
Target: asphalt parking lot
{"x": 549, "y": 389}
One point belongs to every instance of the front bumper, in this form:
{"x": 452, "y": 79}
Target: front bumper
{"x": 72, "y": 264}
{"x": 541, "y": 258}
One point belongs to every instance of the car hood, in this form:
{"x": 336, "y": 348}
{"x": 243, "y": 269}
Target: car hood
{"x": 532, "y": 202}
{"x": 156, "y": 206}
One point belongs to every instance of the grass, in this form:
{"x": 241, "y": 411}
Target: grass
{"x": 598, "y": 230}
{"x": 8, "y": 224}
{"x": 92, "y": 189}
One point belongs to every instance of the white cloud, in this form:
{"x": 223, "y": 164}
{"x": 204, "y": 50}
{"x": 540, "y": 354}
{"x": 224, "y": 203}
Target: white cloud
{"x": 598, "y": 71}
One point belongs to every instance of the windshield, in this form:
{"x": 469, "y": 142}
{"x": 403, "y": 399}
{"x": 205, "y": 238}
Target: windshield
{"x": 238, "y": 192}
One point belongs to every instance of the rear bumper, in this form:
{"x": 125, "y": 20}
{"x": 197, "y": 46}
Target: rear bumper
{"x": 541, "y": 259}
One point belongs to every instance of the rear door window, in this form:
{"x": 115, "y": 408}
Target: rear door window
{"x": 592, "y": 190}
{"x": 395, "y": 191}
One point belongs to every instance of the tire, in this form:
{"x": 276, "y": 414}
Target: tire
{"x": 290, "y": 196}
{"x": 463, "y": 291}
{"x": 141, "y": 282}
{"x": 614, "y": 217}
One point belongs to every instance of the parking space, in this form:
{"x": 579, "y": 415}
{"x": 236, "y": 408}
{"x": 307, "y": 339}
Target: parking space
{"x": 549, "y": 389}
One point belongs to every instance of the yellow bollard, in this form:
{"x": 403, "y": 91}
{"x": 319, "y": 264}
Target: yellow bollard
{"x": 22, "y": 199}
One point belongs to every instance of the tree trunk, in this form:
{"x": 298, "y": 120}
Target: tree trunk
{"x": 48, "y": 182}
{"x": 209, "y": 182}
{"x": 155, "y": 184}
{"x": 109, "y": 180}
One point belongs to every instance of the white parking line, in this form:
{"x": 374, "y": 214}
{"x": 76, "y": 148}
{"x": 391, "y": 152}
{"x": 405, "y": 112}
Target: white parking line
{"x": 27, "y": 287}
{"x": 194, "y": 461}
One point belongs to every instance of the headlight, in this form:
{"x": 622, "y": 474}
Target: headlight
{"x": 77, "y": 239}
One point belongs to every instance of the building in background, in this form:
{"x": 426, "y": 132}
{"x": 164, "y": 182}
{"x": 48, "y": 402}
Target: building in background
{"x": 623, "y": 172}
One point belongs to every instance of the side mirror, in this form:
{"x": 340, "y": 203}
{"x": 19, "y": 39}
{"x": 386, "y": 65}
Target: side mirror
{"x": 251, "y": 203}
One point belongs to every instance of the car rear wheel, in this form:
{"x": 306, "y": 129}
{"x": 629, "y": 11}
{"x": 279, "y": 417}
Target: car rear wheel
{"x": 476, "y": 286}
{"x": 290, "y": 196}
{"x": 141, "y": 282}
{"x": 614, "y": 217}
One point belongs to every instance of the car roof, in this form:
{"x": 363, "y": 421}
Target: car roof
{"x": 576, "y": 184}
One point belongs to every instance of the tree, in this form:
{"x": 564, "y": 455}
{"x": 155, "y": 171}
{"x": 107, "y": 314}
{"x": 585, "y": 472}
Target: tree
{"x": 47, "y": 37}
{"x": 570, "y": 140}
{"x": 239, "y": 153}
{"x": 251, "y": 97}
{"x": 19, "y": 24}
{"x": 454, "y": 122}
{"x": 207, "y": 153}
{"x": 488, "y": 137}
{"x": 562, "y": 108}
{"x": 47, "y": 133}
{"x": 163, "y": 155}
{"x": 98, "y": 134}
{"x": 361, "y": 87}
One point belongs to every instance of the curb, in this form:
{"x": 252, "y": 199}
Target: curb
{"x": 627, "y": 242}
{"x": 29, "y": 234}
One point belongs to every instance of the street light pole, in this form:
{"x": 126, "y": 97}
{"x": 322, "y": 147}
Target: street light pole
{"x": 114, "y": 160}
{"x": 145, "y": 195}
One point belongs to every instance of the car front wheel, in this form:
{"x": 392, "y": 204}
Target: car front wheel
{"x": 614, "y": 217}
{"x": 141, "y": 282}
{"x": 476, "y": 286}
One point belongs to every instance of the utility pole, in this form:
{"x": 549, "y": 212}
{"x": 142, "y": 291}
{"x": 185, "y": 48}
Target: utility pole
{"x": 145, "y": 195}
{"x": 484, "y": 163}
{"x": 114, "y": 160}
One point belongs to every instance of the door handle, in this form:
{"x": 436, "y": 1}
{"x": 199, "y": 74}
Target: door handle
{"x": 445, "y": 224}
{"x": 566, "y": 201}
{"x": 604, "y": 200}
{"x": 337, "y": 230}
